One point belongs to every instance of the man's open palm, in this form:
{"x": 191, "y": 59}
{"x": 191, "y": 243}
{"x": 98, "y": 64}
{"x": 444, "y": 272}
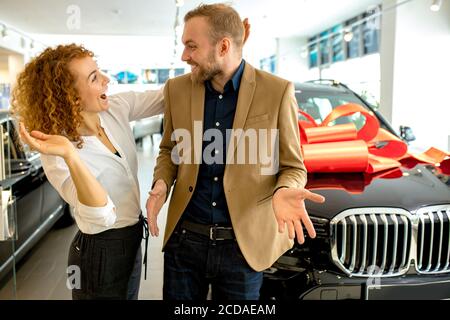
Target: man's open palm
{"x": 289, "y": 207}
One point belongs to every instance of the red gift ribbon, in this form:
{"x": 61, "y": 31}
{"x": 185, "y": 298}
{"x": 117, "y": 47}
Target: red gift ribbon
{"x": 343, "y": 148}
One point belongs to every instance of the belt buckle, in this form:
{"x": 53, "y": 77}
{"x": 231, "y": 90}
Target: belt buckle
{"x": 211, "y": 233}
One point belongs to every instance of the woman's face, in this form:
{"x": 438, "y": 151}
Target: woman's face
{"x": 90, "y": 83}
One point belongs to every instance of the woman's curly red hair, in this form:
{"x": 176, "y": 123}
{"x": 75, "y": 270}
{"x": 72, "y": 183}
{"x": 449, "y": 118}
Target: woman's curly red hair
{"x": 44, "y": 97}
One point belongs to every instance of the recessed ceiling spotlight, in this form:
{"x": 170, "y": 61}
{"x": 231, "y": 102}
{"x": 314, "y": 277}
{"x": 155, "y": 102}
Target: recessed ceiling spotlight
{"x": 304, "y": 53}
{"x": 5, "y": 33}
{"x": 348, "y": 36}
{"x": 436, "y": 5}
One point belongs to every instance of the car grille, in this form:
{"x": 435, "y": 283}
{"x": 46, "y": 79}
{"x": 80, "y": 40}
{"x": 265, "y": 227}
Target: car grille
{"x": 385, "y": 241}
{"x": 433, "y": 240}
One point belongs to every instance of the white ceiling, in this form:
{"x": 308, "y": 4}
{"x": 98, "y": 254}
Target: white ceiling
{"x": 156, "y": 17}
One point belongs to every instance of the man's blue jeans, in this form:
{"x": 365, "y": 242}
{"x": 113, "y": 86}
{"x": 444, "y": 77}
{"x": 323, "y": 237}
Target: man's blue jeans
{"x": 192, "y": 262}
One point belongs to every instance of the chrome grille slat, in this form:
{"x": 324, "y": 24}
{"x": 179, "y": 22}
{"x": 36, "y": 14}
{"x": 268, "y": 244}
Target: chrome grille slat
{"x": 448, "y": 248}
{"x": 375, "y": 240}
{"x": 364, "y": 250}
{"x": 344, "y": 243}
{"x": 422, "y": 237}
{"x": 405, "y": 238}
{"x": 354, "y": 243}
{"x": 385, "y": 242}
{"x": 441, "y": 236}
{"x": 394, "y": 244}
{"x": 430, "y": 256}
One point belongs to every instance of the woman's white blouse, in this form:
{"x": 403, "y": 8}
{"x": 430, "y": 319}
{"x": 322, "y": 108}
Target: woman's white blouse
{"x": 117, "y": 175}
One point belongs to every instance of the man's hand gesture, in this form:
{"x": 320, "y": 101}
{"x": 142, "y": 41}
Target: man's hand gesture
{"x": 289, "y": 207}
{"x": 154, "y": 204}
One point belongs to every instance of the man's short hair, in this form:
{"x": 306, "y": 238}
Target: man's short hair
{"x": 224, "y": 21}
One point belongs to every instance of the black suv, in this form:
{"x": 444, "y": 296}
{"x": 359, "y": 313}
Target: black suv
{"x": 38, "y": 205}
{"x": 377, "y": 238}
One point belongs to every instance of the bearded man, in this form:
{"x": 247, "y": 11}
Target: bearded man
{"x": 227, "y": 218}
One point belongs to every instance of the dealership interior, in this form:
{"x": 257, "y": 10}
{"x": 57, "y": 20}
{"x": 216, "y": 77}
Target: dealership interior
{"x": 389, "y": 56}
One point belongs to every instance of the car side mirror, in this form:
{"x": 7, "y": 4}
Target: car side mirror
{"x": 407, "y": 134}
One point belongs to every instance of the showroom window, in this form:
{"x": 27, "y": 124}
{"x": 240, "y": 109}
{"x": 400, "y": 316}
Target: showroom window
{"x": 356, "y": 37}
{"x": 268, "y": 64}
{"x": 354, "y": 45}
{"x": 313, "y": 56}
{"x": 324, "y": 48}
{"x": 337, "y": 44}
{"x": 371, "y": 35}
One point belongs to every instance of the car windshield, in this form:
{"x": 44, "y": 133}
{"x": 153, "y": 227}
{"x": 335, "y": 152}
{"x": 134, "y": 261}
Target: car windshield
{"x": 318, "y": 104}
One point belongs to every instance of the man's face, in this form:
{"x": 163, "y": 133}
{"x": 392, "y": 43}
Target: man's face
{"x": 199, "y": 52}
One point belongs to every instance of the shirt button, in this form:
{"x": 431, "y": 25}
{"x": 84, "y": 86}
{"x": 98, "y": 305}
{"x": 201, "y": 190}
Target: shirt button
{"x": 217, "y": 124}
{"x": 220, "y": 97}
{"x": 216, "y": 179}
{"x": 214, "y": 204}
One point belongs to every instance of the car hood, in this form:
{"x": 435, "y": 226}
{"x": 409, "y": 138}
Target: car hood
{"x": 402, "y": 188}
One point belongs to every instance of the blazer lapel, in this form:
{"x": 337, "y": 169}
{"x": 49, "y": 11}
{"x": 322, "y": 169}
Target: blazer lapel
{"x": 197, "y": 115}
{"x": 246, "y": 92}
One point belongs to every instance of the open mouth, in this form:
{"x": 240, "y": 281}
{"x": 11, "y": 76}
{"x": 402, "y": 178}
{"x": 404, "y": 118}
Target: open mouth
{"x": 103, "y": 96}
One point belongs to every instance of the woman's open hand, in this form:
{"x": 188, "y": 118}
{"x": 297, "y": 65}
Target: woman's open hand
{"x": 55, "y": 145}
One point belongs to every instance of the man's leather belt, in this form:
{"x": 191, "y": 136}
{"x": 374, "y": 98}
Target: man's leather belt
{"x": 213, "y": 232}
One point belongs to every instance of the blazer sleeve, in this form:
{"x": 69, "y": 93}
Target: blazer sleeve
{"x": 165, "y": 168}
{"x": 292, "y": 171}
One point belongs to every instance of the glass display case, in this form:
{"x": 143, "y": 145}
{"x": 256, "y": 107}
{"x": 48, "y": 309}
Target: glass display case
{"x": 5, "y": 93}
{"x": 8, "y": 213}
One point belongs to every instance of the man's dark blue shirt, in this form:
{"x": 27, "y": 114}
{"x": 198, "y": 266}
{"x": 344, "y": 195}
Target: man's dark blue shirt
{"x": 208, "y": 204}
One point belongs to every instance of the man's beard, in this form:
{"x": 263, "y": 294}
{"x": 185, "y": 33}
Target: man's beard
{"x": 206, "y": 72}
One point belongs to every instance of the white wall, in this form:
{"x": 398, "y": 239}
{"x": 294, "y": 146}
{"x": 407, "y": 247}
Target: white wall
{"x": 21, "y": 43}
{"x": 292, "y": 62}
{"x": 16, "y": 63}
{"x": 421, "y": 72}
{"x": 123, "y": 52}
{"x": 387, "y": 53}
{"x": 4, "y": 73}
{"x": 258, "y": 47}
{"x": 360, "y": 74}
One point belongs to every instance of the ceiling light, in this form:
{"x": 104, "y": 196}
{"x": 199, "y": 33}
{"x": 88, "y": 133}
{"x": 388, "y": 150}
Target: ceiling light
{"x": 436, "y": 5}
{"x": 179, "y": 3}
{"x": 5, "y": 33}
{"x": 348, "y": 36}
{"x": 304, "y": 53}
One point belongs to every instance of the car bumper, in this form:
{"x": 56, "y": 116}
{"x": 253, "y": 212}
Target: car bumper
{"x": 408, "y": 287}
{"x": 325, "y": 285}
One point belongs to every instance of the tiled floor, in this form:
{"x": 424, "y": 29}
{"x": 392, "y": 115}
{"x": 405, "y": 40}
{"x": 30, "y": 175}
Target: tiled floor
{"x": 42, "y": 273}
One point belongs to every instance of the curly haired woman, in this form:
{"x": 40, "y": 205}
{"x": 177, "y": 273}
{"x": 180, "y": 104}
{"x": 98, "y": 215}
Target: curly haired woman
{"x": 89, "y": 156}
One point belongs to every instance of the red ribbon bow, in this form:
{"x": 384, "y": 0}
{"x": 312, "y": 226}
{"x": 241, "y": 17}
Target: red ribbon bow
{"x": 343, "y": 148}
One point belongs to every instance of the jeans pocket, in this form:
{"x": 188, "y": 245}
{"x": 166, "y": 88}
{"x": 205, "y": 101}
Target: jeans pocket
{"x": 175, "y": 240}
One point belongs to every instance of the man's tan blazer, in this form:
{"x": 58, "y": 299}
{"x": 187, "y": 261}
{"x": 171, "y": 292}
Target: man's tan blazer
{"x": 265, "y": 102}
